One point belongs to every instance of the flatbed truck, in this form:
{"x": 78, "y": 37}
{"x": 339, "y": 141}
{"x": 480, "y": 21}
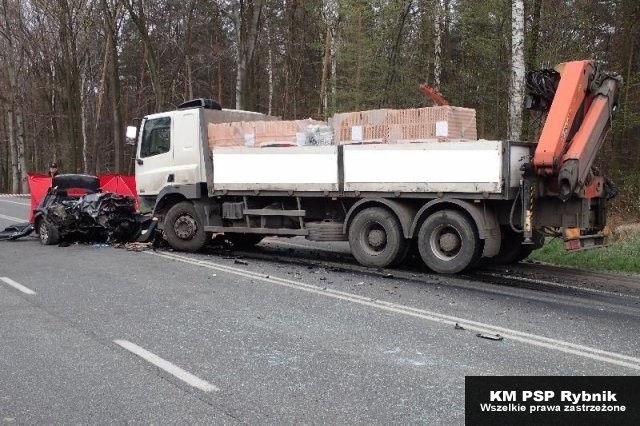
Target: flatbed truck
{"x": 456, "y": 202}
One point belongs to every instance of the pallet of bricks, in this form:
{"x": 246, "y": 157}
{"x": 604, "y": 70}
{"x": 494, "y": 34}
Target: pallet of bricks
{"x": 263, "y": 134}
{"x": 390, "y": 126}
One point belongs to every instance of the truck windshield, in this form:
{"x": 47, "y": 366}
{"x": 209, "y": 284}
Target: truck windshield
{"x": 156, "y": 137}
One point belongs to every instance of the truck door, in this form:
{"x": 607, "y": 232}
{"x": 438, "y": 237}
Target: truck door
{"x": 187, "y": 146}
{"x": 154, "y": 165}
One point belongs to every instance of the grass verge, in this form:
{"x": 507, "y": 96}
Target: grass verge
{"x": 621, "y": 255}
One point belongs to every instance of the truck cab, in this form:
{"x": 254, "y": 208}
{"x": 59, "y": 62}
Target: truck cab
{"x": 169, "y": 151}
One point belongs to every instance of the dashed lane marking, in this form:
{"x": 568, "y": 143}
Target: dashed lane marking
{"x": 476, "y": 326}
{"x": 17, "y": 286}
{"x": 167, "y": 366}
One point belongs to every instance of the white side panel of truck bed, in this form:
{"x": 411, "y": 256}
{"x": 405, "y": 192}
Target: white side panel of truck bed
{"x": 305, "y": 168}
{"x": 425, "y": 167}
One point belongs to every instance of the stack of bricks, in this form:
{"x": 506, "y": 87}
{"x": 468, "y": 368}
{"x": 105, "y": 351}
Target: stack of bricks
{"x": 259, "y": 133}
{"x": 390, "y": 126}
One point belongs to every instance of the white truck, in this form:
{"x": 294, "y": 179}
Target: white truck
{"x": 456, "y": 202}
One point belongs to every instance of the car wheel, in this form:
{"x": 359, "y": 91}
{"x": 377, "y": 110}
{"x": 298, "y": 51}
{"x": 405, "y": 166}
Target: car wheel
{"x": 48, "y": 233}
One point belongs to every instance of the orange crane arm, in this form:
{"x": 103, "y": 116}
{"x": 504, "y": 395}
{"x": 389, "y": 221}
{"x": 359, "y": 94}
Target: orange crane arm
{"x": 577, "y": 161}
{"x": 571, "y": 92}
{"x": 576, "y": 123}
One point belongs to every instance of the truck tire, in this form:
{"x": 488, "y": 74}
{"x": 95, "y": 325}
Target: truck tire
{"x": 243, "y": 241}
{"x": 448, "y": 242}
{"x": 376, "y": 239}
{"x": 511, "y": 248}
{"x": 48, "y": 233}
{"x": 183, "y": 228}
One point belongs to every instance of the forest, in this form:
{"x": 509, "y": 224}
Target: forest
{"x": 75, "y": 73}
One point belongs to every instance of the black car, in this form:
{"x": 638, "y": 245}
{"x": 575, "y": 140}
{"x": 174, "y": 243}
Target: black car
{"x": 64, "y": 193}
{"x": 76, "y": 210}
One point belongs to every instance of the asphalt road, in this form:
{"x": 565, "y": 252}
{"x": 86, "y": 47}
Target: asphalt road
{"x": 292, "y": 332}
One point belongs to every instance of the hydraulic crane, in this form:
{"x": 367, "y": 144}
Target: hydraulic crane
{"x": 579, "y": 115}
{"x": 579, "y": 101}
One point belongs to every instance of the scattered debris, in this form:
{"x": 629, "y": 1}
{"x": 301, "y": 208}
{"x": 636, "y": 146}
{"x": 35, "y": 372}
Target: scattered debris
{"x": 388, "y": 276}
{"x": 495, "y": 337}
{"x": 134, "y": 246}
{"x": 240, "y": 262}
{"x": 459, "y": 327}
{"x": 16, "y": 231}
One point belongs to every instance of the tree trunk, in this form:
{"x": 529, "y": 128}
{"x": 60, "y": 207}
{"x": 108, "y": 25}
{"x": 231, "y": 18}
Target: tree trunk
{"x": 270, "y": 71}
{"x": 437, "y": 53}
{"x": 516, "y": 89}
{"x": 326, "y": 59}
{"x": 140, "y": 21}
{"x": 393, "y": 55}
{"x": 83, "y": 124}
{"x": 20, "y": 145}
{"x": 13, "y": 152}
{"x": 245, "y": 37}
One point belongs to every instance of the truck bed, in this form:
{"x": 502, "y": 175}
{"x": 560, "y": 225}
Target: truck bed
{"x": 473, "y": 168}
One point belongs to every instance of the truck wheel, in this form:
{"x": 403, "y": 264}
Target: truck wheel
{"x": 243, "y": 241}
{"x": 183, "y": 228}
{"x": 375, "y": 237}
{"x": 511, "y": 248}
{"x": 448, "y": 242}
{"x": 48, "y": 233}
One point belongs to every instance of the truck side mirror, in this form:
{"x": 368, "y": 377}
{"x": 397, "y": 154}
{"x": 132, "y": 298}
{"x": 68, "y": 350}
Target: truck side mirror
{"x": 132, "y": 135}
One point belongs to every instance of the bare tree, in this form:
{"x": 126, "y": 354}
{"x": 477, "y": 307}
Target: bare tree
{"x": 12, "y": 49}
{"x": 246, "y": 20}
{"x": 516, "y": 88}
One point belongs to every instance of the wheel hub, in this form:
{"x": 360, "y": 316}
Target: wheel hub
{"x": 185, "y": 227}
{"x": 44, "y": 232}
{"x": 377, "y": 238}
{"x": 449, "y": 241}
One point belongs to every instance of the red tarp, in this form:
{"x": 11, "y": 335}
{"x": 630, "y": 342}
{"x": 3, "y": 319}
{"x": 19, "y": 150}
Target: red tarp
{"x": 38, "y": 186}
{"x": 117, "y": 184}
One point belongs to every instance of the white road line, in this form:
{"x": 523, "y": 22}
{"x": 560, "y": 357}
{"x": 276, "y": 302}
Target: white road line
{"x": 12, "y": 219}
{"x": 18, "y": 286}
{"x": 165, "y": 365}
{"x": 524, "y": 337}
{"x": 551, "y": 283}
{"x": 14, "y": 202}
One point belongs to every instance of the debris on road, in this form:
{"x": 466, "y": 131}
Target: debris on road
{"x": 134, "y": 246}
{"x": 16, "y": 231}
{"x": 495, "y": 337}
{"x": 459, "y": 327}
{"x": 240, "y": 262}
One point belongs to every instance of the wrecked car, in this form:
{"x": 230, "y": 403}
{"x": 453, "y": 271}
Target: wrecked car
{"x": 75, "y": 209}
